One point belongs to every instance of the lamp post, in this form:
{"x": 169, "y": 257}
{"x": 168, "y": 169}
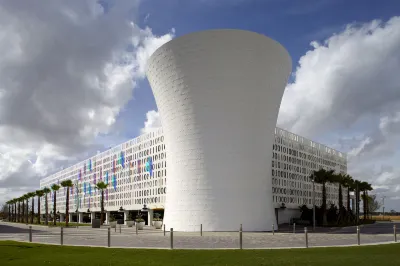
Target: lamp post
{"x": 313, "y": 183}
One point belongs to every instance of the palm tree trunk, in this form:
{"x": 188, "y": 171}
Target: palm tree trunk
{"x": 364, "y": 205}
{"x": 102, "y": 207}
{"x": 348, "y": 199}
{"x": 33, "y": 209}
{"x": 46, "y": 203}
{"x": 23, "y": 211}
{"x": 38, "y": 203}
{"x": 54, "y": 208}
{"x": 324, "y": 218}
{"x": 27, "y": 211}
{"x": 67, "y": 208}
{"x": 19, "y": 211}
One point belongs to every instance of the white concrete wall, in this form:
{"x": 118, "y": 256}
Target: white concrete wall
{"x": 218, "y": 93}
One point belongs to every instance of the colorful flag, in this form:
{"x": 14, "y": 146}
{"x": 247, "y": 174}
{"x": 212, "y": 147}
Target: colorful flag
{"x": 114, "y": 182}
{"x": 149, "y": 166}
{"x": 122, "y": 159}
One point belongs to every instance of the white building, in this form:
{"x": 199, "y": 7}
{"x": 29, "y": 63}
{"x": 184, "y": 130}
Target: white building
{"x": 136, "y": 186}
{"x": 218, "y": 93}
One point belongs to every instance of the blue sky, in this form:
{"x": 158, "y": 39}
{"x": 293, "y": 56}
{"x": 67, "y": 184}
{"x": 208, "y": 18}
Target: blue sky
{"x": 293, "y": 23}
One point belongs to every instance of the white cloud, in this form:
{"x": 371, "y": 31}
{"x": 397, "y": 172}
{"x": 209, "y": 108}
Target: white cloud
{"x": 348, "y": 89}
{"x": 66, "y": 71}
{"x": 350, "y": 76}
{"x": 153, "y": 121}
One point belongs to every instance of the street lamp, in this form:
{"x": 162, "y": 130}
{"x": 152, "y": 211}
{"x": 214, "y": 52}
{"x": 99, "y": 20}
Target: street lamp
{"x": 313, "y": 184}
{"x": 383, "y": 207}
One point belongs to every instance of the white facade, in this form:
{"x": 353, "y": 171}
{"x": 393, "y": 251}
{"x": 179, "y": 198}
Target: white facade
{"x": 136, "y": 187}
{"x": 218, "y": 93}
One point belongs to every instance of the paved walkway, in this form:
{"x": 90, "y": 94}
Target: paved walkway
{"x": 152, "y": 238}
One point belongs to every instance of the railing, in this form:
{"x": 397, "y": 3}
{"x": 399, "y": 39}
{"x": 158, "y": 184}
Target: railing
{"x": 168, "y": 238}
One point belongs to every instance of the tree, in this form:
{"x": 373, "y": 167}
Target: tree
{"x": 55, "y": 188}
{"x": 9, "y": 210}
{"x": 39, "y": 194}
{"x": 46, "y": 191}
{"x": 373, "y": 204}
{"x": 15, "y": 209}
{"x": 12, "y": 210}
{"x": 340, "y": 179}
{"x": 365, "y": 187}
{"x": 20, "y": 199}
{"x": 67, "y": 184}
{"x": 101, "y": 186}
{"x": 323, "y": 176}
{"x": 32, "y": 196}
{"x": 22, "y": 209}
{"x": 348, "y": 182}
{"x": 357, "y": 185}
{"x": 26, "y": 208}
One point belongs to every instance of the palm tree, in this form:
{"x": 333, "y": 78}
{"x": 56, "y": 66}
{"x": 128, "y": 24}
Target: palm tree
{"x": 23, "y": 209}
{"x": 323, "y": 176}
{"x": 9, "y": 209}
{"x": 348, "y": 182}
{"x": 101, "y": 186}
{"x": 39, "y": 194}
{"x": 67, "y": 184}
{"x": 55, "y": 188}
{"x": 27, "y": 197}
{"x": 32, "y": 196}
{"x": 365, "y": 187}
{"x": 13, "y": 202}
{"x": 357, "y": 185}
{"x": 46, "y": 191}
{"x": 20, "y": 199}
{"x": 339, "y": 179}
{"x": 15, "y": 209}
{"x": 25, "y": 206}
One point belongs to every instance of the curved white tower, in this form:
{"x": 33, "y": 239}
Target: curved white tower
{"x": 218, "y": 93}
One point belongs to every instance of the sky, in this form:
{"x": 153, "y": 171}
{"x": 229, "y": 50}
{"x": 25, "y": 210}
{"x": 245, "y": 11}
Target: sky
{"x": 72, "y": 78}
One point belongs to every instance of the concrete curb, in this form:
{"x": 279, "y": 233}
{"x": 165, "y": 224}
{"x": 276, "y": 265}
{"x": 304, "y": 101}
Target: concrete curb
{"x": 166, "y": 248}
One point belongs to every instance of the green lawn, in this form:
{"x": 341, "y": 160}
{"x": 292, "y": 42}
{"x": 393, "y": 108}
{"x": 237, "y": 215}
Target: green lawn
{"x": 14, "y": 253}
